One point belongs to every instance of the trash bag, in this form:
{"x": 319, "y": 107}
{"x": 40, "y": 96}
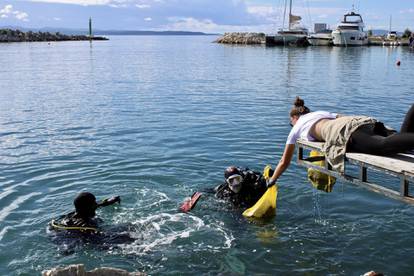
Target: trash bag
{"x": 319, "y": 180}
{"x": 266, "y": 205}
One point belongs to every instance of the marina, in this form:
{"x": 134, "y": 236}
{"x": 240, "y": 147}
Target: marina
{"x": 350, "y": 32}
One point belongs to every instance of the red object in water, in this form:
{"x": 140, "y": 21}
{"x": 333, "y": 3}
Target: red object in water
{"x": 398, "y": 63}
{"x": 189, "y": 204}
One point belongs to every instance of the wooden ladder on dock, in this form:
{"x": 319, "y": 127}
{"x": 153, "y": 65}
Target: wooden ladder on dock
{"x": 400, "y": 165}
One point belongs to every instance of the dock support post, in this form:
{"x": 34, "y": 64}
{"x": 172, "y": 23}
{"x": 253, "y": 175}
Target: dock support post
{"x": 363, "y": 173}
{"x": 404, "y": 186}
{"x": 300, "y": 153}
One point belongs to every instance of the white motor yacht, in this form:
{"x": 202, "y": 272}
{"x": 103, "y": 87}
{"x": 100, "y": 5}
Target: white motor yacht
{"x": 350, "y": 32}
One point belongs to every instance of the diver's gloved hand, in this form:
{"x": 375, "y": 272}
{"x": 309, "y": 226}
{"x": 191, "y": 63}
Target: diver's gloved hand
{"x": 270, "y": 183}
{"x": 110, "y": 201}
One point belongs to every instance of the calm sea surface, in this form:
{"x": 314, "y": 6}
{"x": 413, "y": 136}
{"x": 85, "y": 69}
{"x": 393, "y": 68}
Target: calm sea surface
{"x": 154, "y": 119}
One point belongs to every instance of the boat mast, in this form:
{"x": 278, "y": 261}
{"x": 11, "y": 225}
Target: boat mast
{"x": 284, "y": 15}
{"x": 290, "y": 14}
{"x": 390, "y": 22}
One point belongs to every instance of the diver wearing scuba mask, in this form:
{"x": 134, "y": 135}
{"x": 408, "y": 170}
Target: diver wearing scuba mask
{"x": 242, "y": 187}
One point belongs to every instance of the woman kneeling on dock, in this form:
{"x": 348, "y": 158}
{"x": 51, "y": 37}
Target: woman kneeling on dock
{"x": 343, "y": 134}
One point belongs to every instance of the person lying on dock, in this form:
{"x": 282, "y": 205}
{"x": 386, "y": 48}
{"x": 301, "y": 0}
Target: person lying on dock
{"x": 342, "y": 134}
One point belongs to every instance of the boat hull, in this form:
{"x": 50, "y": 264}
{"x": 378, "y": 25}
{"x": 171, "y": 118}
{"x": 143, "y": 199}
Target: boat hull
{"x": 349, "y": 38}
{"x": 287, "y": 40}
{"x": 320, "y": 41}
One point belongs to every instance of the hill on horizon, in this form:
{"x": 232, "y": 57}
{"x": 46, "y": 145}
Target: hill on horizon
{"x": 69, "y": 31}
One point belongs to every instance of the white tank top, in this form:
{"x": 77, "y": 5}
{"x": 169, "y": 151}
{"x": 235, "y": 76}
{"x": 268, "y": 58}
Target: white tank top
{"x": 304, "y": 124}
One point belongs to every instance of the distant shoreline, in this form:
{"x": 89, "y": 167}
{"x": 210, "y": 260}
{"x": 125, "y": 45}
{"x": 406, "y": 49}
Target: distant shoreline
{"x": 159, "y": 33}
{"x": 100, "y": 32}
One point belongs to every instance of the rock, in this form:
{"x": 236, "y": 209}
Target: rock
{"x": 79, "y": 270}
{"x": 242, "y": 38}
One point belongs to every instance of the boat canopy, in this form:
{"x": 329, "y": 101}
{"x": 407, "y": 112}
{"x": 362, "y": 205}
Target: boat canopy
{"x": 348, "y": 27}
{"x": 352, "y": 17}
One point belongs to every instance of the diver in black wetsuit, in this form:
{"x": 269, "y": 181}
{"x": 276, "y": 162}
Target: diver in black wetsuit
{"x": 242, "y": 187}
{"x": 83, "y": 218}
{"x": 81, "y": 227}
{"x": 82, "y": 224}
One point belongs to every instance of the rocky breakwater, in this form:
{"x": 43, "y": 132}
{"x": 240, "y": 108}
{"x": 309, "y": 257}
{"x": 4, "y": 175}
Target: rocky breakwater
{"x": 242, "y": 38}
{"x": 8, "y": 35}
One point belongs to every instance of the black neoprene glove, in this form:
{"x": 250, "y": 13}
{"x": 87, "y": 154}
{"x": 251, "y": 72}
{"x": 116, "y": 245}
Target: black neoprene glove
{"x": 110, "y": 201}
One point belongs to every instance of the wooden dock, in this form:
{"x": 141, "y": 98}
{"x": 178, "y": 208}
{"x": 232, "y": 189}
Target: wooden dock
{"x": 400, "y": 165}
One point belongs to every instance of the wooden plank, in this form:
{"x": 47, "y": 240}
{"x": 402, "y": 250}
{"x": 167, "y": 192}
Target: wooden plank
{"x": 364, "y": 184}
{"x": 311, "y": 145}
{"x": 400, "y": 165}
{"x": 395, "y": 163}
{"x": 367, "y": 185}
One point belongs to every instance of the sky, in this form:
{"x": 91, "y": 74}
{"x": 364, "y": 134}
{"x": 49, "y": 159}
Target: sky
{"x": 211, "y": 16}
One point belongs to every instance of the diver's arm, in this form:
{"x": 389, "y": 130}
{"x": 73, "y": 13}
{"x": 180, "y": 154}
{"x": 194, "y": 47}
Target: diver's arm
{"x": 283, "y": 163}
{"x": 109, "y": 201}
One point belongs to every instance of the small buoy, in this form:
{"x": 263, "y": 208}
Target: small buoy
{"x": 398, "y": 63}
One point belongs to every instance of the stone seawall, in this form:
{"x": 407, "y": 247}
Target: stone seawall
{"x": 242, "y": 38}
{"x": 8, "y": 35}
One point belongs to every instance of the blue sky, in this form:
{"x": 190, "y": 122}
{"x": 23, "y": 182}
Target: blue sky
{"x": 198, "y": 15}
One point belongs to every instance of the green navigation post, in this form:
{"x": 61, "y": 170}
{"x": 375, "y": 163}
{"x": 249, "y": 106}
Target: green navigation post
{"x": 90, "y": 29}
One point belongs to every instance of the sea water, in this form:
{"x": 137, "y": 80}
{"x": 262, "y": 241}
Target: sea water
{"x": 155, "y": 118}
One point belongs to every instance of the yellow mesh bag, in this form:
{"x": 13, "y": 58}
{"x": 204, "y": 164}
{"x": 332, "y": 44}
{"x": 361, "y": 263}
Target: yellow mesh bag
{"x": 266, "y": 205}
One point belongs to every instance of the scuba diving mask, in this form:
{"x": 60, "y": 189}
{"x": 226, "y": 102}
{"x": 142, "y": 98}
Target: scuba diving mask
{"x": 235, "y": 183}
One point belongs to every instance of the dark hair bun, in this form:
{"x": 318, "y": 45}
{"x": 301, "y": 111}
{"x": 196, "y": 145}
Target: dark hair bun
{"x": 299, "y": 102}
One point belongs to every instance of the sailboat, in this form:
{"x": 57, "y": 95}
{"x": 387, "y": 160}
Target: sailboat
{"x": 293, "y": 35}
{"x": 391, "y": 35}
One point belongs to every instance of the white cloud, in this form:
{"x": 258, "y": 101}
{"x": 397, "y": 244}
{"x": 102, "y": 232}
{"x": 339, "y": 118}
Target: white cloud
{"x": 147, "y": 19}
{"x": 8, "y": 11}
{"x": 78, "y": 2}
{"x": 143, "y": 6}
{"x": 209, "y": 26}
{"x": 22, "y": 16}
{"x": 407, "y": 11}
{"x": 111, "y": 3}
{"x": 269, "y": 12}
